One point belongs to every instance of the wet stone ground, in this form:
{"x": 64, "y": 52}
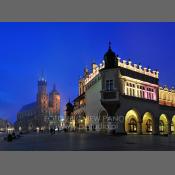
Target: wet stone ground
{"x": 89, "y": 142}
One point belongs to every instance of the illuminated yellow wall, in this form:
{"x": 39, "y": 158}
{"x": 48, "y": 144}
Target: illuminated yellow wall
{"x": 173, "y": 125}
{"x": 167, "y": 96}
{"x": 87, "y": 121}
{"x": 164, "y": 119}
{"x": 147, "y": 116}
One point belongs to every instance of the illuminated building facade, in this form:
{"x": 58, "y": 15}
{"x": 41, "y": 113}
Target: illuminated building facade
{"x": 42, "y": 114}
{"x": 123, "y": 97}
{"x": 6, "y": 126}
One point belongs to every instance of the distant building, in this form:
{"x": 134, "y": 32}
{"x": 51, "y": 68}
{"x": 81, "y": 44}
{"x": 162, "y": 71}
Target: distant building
{"x": 6, "y": 126}
{"x": 122, "y": 97}
{"x": 42, "y": 114}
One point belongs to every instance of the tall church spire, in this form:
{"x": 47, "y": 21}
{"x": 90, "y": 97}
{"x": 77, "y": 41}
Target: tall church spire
{"x": 42, "y": 77}
{"x": 42, "y": 84}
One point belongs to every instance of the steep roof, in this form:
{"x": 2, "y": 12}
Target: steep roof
{"x": 28, "y": 107}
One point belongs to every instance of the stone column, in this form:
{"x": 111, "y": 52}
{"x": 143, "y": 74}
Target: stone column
{"x": 156, "y": 127}
{"x": 111, "y": 125}
{"x": 139, "y": 125}
{"x": 120, "y": 126}
{"x": 169, "y": 128}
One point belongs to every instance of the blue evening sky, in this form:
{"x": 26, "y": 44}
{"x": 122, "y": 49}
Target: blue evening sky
{"x": 62, "y": 50}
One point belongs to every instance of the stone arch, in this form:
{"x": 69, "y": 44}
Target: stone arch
{"x": 173, "y": 125}
{"x": 103, "y": 120}
{"x": 163, "y": 124}
{"x": 132, "y": 122}
{"x": 148, "y": 123}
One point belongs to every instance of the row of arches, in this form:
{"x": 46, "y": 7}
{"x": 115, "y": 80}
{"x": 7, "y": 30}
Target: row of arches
{"x": 133, "y": 124}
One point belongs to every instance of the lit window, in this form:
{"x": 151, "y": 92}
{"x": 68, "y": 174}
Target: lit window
{"x": 133, "y": 125}
{"x": 161, "y": 126}
{"x": 149, "y": 126}
{"x": 172, "y": 127}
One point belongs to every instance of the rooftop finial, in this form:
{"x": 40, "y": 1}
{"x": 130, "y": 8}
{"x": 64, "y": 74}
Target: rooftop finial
{"x": 109, "y": 44}
{"x": 42, "y": 78}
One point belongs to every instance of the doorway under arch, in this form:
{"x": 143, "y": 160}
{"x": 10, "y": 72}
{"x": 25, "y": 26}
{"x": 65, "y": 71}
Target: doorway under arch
{"x": 163, "y": 124}
{"x": 147, "y": 124}
{"x": 80, "y": 121}
{"x": 132, "y": 122}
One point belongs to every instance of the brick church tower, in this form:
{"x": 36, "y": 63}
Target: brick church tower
{"x": 42, "y": 96}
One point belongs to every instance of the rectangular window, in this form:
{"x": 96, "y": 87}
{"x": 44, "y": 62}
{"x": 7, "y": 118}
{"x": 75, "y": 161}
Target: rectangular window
{"x": 127, "y": 91}
{"x": 133, "y": 92}
{"x": 109, "y": 85}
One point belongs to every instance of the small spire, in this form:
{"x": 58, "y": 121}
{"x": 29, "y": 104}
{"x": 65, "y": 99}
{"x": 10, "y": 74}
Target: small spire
{"x": 42, "y": 78}
{"x": 109, "y": 44}
{"x": 86, "y": 71}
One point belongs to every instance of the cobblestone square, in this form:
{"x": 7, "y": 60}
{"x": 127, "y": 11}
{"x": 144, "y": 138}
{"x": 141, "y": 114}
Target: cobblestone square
{"x": 89, "y": 142}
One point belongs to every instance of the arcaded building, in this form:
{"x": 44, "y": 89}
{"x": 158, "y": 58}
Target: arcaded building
{"x": 42, "y": 114}
{"x": 122, "y": 97}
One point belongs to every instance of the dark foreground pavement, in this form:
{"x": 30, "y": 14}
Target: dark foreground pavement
{"x": 89, "y": 142}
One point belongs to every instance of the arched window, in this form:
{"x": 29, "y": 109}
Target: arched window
{"x": 133, "y": 125}
{"x": 149, "y": 126}
{"x": 161, "y": 126}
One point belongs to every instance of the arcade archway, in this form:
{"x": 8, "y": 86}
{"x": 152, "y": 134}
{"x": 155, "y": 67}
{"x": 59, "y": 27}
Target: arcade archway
{"x": 132, "y": 122}
{"x": 80, "y": 121}
{"x": 147, "y": 124}
{"x": 163, "y": 124}
{"x": 173, "y": 125}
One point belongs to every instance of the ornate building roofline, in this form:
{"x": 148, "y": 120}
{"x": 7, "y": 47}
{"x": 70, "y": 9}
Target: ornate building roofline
{"x": 127, "y": 65}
